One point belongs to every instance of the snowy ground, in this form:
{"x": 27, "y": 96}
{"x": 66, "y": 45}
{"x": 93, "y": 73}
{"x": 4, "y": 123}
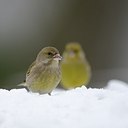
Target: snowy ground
{"x": 78, "y": 108}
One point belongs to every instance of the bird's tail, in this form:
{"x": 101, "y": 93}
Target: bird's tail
{"x": 22, "y": 84}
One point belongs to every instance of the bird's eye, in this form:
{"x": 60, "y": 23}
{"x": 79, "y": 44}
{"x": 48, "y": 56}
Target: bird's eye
{"x": 49, "y": 53}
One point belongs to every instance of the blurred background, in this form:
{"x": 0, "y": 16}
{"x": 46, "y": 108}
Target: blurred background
{"x": 101, "y": 26}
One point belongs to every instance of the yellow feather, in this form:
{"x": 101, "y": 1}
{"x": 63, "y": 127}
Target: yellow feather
{"x": 75, "y": 68}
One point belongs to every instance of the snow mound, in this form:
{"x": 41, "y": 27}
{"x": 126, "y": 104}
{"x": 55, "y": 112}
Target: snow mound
{"x": 78, "y": 108}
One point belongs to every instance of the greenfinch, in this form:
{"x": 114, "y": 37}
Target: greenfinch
{"x": 75, "y": 68}
{"x": 44, "y": 73}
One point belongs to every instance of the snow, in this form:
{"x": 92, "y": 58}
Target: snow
{"x": 77, "y": 108}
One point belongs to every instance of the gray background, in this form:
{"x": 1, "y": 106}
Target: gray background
{"x": 101, "y": 26}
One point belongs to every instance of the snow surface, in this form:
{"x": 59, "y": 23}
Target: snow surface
{"x": 77, "y": 108}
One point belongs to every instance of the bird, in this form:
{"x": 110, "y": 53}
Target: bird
{"x": 44, "y": 73}
{"x": 75, "y": 68}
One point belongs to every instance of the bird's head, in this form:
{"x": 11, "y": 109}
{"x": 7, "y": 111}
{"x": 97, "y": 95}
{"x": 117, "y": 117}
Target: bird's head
{"x": 48, "y": 55}
{"x": 73, "y": 52}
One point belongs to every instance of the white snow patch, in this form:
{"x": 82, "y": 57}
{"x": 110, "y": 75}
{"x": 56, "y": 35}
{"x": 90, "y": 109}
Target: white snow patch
{"x": 77, "y": 108}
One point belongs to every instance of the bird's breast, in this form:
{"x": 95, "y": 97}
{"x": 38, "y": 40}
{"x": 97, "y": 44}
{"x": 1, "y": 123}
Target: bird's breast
{"x": 45, "y": 80}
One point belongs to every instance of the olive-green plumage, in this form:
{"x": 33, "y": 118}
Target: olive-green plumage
{"x": 44, "y": 73}
{"x": 74, "y": 67}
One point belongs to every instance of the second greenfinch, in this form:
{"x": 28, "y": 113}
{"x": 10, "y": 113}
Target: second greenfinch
{"x": 74, "y": 67}
{"x": 44, "y": 73}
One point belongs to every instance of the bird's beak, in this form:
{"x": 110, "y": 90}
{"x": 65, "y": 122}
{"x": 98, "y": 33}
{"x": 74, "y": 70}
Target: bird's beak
{"x": 57, "y": 57}
{"x": 71, "y": 54}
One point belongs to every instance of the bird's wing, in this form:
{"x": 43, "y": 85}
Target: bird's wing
{"x": 29, "y": 69}
{"x": 27, "y": 74}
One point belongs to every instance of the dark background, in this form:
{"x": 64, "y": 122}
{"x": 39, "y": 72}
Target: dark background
{"x": 101, "y": 26}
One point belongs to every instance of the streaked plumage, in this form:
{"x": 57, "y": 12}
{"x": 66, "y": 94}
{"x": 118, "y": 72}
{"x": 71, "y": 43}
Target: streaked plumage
{"x": 74, "y": 67}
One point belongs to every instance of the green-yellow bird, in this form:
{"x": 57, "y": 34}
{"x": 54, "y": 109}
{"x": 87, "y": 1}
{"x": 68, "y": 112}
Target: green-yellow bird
{"x": 44, "y": 73}
{"x": 75, "y": 68}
